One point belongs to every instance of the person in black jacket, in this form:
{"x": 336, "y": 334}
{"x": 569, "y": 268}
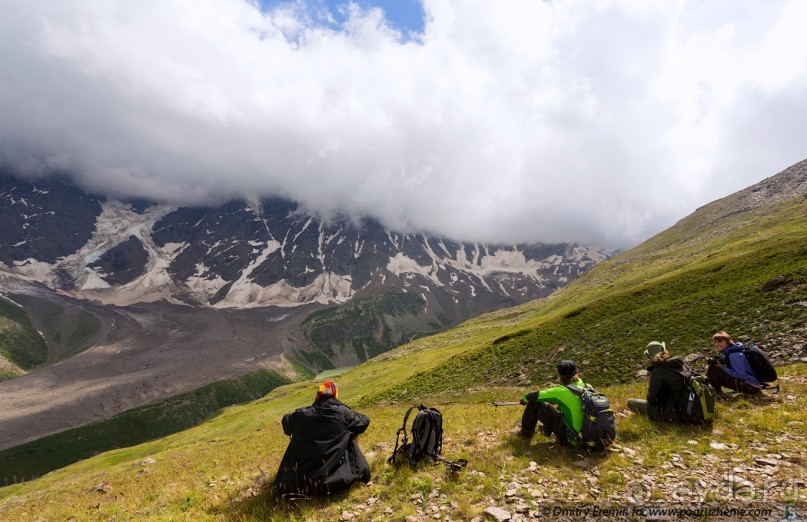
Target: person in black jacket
{"x": 667, "y": 394}
{"x": 323, "y": 456}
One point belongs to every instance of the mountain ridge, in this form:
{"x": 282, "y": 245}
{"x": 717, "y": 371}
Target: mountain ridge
{"x": 260, "y": 253}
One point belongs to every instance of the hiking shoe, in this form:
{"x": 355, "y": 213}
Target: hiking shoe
{"x": 520, "y": 434}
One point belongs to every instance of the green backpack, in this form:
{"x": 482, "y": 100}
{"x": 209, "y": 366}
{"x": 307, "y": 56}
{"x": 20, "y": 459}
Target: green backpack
{"x": 700, "y": 399}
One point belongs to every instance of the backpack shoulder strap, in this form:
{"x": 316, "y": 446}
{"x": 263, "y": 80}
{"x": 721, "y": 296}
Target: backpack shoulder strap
{"x": 741, "y": 351}
{"x": 391, "y": 460}
{"x": 686, "y": 372}
{"x": 577, "y": 390}
{"x": 406, "y": 419}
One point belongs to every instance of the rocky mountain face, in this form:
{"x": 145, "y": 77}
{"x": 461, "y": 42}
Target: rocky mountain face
{"x": 138, "y": 302}
{"x": 268, "y": 253}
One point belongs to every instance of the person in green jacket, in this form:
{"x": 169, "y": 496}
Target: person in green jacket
{"x": 558, "y": 409}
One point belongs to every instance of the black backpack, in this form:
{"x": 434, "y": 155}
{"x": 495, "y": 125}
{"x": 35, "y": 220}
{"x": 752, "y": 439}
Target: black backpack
{"x": 762, "y": 367}
{"x": 599, "y": 426}
{"x": 427, "y": 440}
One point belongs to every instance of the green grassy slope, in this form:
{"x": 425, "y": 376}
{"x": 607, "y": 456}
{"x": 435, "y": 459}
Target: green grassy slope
{"x": 223, "y": 469}
{"x": 67, "y": 329}
{"x": 361, "y": 326}
{"x": 20, "y": 343}
{"x": 133, "y": 426}
{"x": 717, "y": 269}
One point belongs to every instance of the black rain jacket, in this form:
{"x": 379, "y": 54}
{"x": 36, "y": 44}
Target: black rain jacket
{"x": 667, "y": 394}
{"x": 323, "y": 456}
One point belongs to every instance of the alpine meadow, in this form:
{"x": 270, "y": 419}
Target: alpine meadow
{"x": 737, "y": 264}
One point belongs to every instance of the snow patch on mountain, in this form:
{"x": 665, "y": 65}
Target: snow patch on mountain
{"x": 94, "y": 281}
{"x": 508, "y": 261}
{"x": 580, "y": 253}
{"x": 400, "y": 264}
{"x": 328, "y": 287}
{"x": 512, "y": 261}
{"x": 33, "y": 269}
{"x": 205, "y": 287}
{"x": 243, "y": 291}
{"x": 115, "y": 225}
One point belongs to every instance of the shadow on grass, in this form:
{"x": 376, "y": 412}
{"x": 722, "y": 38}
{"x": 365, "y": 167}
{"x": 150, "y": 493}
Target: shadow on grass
{"x": 638, "y": 428}
{"x": 547, "y": 451}
{"x": 259, "y": 502}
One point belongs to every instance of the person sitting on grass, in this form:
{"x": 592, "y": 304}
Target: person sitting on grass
{"x": 667, "y": 392}
{"x": 323, "y": 456}
{"x": 540, "y": 406}
{"x": 730, "y": 367}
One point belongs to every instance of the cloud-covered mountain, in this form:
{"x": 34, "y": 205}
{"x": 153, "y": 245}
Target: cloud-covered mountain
{"x": 252, "y": 254}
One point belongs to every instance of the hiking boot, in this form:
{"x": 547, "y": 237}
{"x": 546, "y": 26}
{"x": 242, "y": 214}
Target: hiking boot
{"x": 520, "y": 434}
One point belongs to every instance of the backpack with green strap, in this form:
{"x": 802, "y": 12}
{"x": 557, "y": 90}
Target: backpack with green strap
{"x": 700, "y": 399}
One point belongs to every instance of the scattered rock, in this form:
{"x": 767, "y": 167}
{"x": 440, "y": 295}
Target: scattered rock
{"x": 346, "y": 515}
{"x": 717, "y": 445}
{"x": 736, "y": 481}
{"x": 103, "y": 487}
{"x": 629, "y": 452}
{"x": 498, "y": 514}
{"x": 689, "y": 359}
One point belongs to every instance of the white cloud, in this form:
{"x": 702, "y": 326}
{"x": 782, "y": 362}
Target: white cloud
{"x": 504, "y": 121}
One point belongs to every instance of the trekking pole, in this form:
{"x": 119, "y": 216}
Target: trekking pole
{"x": 497, "y": 404}
{"x": 453, "y": 466}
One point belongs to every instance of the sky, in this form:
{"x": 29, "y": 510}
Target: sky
{"x": 510, "y": 121}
